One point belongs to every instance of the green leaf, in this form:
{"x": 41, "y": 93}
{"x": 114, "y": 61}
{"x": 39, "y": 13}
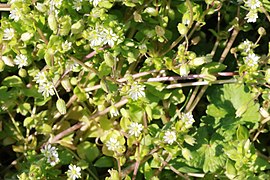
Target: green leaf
{"x": 80, "y": 93}
{"x": 13, "y": 81}
{"x": 88, "y": 151}
{"x": 104, "y": 162}
{"x": 213, "y": 157}
{"x": 242, "y": 133}
{"x": 177, "y": 96}
{"x": 104, "y": 69}
{"x": 29, "y": 122}
{"x": 227, "y": 99}
{"x": 65, "y": 25}
{"x": 24, "y": 108}
{"x": 231, "y": 172}
{"x": 44, "y": 129}
{"x": 65, "y": 156}
{"x": 105, "y": 123}
{"x": 77, "y": 27}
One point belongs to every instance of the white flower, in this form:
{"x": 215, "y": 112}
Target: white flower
{"x": 15, "y": 14}
{"x": 110, "y": 38}
{"x": 77, "y": 5}
{"x": 253, "y": 4}
{"x": 21, "y": 60}
{"x": 97, "y": 36}
{"x": 41, "y": 7}
{"x": 51, "y": 154}
{"x": 188, "y": 119}
{"x": 41, "y": 78}
{"x": 56, "y": 3}
{"x": 71, "y": 65}
{"x": 136, "y": 91}
{"x": 112, "y": 144}
{"x": 135, "y": 129}
{"x": 46, "y": 89}
{"x": 252, "y": 16}
{"x": 95, "y": 2}
{"x": 101, "y": 36}
{"x": 26, "y": 36}
{"x": 66, "y": 46}
{"x": 8, "y": 34}
{"x": 114, "y": 111}
{"x": 251, "y": 59}
{"x": 247, "y": 46}
{"x": 169, "y": 137}
{"x": 73, "y": 172}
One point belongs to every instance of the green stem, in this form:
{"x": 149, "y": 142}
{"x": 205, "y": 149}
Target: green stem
{"x": 20, "y": 137}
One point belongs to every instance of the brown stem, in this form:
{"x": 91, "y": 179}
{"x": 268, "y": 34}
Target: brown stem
{"x": 222, "y": 58}
{"x": 93, "y": 53}
{"x": 4, "y": 7}
{"x": 42, "y": 36}
{"x": 80, "y": 124}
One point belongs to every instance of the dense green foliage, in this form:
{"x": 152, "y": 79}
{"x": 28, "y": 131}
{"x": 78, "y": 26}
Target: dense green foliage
{"x": 135, "y": 89}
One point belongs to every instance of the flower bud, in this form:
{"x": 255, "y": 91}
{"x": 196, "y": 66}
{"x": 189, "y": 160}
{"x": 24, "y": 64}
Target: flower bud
{"x": 184, "y": 70}
{"x": 61, "y": 106}
{"x": 159, "y": 31}
{"x": 241, "y": 111}
{"x": 8, "y": 61}
{"x": 267, "y": 76}
{"x": 151, "y": 11}
{"x": 182, "y": 29}
{"x": 264, "y": 113}
{"x": 66, "y": 84}
{"x": 73, "y": 81}
{"x": 52, "y": 23}
{"x": 22, "y": 73}
{"x": 261, "y": 31}
{"x": 196, "y": 40}
{"x": 26, "y": 36}
{"x": 137, "y": 17}
{"x": 2, "y": 65}
{"x": 186, "y": 154}
{"x": 114, "y": 111}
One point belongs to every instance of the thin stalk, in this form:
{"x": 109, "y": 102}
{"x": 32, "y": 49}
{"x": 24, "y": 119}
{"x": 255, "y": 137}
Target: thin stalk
{"x": 265, "y": 12}
{"x": 4, "y": 7}
{"x": 20, "y": 137}
{"x": 200, "y": 83}
{"x": 192, "y": 97}
{"x": 222, "y": 58}
{"x": 137, "y": 164}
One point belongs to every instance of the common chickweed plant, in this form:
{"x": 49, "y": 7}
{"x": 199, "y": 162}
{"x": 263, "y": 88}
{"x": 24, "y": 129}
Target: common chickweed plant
{"x": 135, "y": 89}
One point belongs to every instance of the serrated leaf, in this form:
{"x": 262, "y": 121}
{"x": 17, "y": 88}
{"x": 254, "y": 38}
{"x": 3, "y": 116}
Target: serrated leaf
{"x": 227, "y": 100}
{"x": 213, "y": 160}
